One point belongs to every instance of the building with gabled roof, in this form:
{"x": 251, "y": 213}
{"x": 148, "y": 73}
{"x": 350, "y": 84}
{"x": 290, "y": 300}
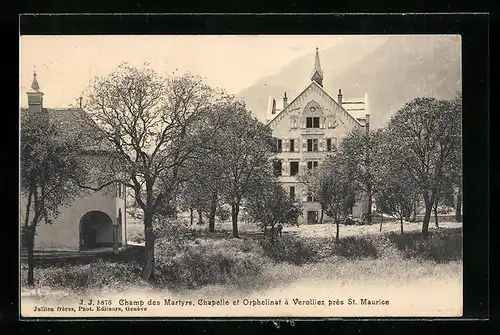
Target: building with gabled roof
{"x": 94, "y": 218}
{"x": 306, "y": 128}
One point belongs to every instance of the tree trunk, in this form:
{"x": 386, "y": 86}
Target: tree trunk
{"x": 191, "y": 216}
{"x": 200, "y": 215}
{"x": 436, "y": 214}
{"x": 427, "y": 217}
{"x": 337, "y": 233}
{"x": 414, "y": 218}
{"x": 401, "y": 218}
{"x": 147, "y": 272}
{"x": 235, "y": 209}
{"x": 321, "y": 217}
{"x": 369, "y": 209}
{"x": 381, "y": 221}
{"x": 29, "y": 236}
{"x": 213, "y": 209}
{"x": 30, "y": 239}
{"x": 458, "y": 207}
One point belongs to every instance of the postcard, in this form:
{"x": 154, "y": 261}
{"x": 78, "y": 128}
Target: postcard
{"x": 195, "y": 176}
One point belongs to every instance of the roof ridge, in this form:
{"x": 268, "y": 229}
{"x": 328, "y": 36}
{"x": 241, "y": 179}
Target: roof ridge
{"x": 328, "y": 95}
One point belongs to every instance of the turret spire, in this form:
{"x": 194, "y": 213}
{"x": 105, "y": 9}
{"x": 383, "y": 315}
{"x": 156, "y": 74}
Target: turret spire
{"x": 34, "y": 84}
{"x": 317, "y": 73}
{"x": 35, "y": 97}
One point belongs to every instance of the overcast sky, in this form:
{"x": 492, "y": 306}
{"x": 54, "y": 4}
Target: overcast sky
{"x": 65, "y": 64}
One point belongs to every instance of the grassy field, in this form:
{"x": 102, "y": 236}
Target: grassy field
{"x": 190, "y": 262}
{"x": 135, "y": 228}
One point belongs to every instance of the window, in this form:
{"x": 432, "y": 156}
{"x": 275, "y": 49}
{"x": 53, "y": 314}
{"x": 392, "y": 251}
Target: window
{"x": 312, "y": 122}
{"x": 312, "y": 165}
{"x": 315, "y": 122}
{"x": 279, "y": 145}
{"x": 292, "y": 145}
{"x": 292, "y": 192}
{"x": 315, "y": 145}
{"x": 328, "y": 144}
{"x": 294, "y": 168}
{"x": 312, "y": 144}
{"x": 277, "y": 168}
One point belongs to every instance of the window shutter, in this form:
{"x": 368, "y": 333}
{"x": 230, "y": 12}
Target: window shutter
{"x": 287, "y": 145}
{"x": 320, "y": 144}
{"x": 322, "y": 121}
{"x": 304, "y": 145}
{"x": 297, "y": 145}
{"x": 303, "y": 123}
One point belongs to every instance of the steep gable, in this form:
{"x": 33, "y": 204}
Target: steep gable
{"x": 315, "y": 94}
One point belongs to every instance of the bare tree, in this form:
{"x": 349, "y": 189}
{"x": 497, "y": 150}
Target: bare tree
{"x": 246, "y": 151}
{"x": 332, "y": 185}
{"x": 156, "y": 126}
{"x": 358, "y": 151}
{"x": 52, "y": 166}
{"x": 396, "y": 197}
{"x": 272, "y": 206}
{"x": 208, "y": 172}
{"x": 425, "y": 142}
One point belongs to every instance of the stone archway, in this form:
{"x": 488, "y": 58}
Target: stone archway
{"x": 96, "y": 230}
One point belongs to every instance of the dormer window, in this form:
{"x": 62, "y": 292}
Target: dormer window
{"x": 312, "y": 122}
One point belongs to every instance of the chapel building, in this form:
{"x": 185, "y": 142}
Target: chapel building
{"x": 94, "y": 219}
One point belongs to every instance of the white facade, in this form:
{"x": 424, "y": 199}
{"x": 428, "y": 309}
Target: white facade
{"x": 99, "y": 210}
{"x": 94, "y": 218}
{"x": 307, "y": 128}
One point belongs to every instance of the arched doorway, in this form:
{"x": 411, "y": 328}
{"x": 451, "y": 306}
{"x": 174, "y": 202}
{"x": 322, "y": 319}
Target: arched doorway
{"x": 96, "y": 230}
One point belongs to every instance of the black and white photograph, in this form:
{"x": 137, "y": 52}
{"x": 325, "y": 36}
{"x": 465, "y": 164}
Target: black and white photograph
{"x": 194, "y": 176}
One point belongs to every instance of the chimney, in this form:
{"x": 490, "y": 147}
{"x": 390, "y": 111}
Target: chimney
{"x": 270, "y": 108}
{"x": 285, "y": 101}
{"x": 273, "y": 111}
{"x": 339, "y": 97}
{"x": 35, "y": 97}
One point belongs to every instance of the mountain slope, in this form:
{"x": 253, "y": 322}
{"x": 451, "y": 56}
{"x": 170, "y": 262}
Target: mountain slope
{"x": 392, "y": 71}
{"x": 295, "y": 76}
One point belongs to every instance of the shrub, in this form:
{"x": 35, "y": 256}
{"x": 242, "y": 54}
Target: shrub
{"x": 291, "y": 249}
{"x": 354, "y": 247}
{"x": 442, "y": 246}
{"x": 135, "y": 232}
{"x": 95, "y": 275}
{"x": 201, "y": 264}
